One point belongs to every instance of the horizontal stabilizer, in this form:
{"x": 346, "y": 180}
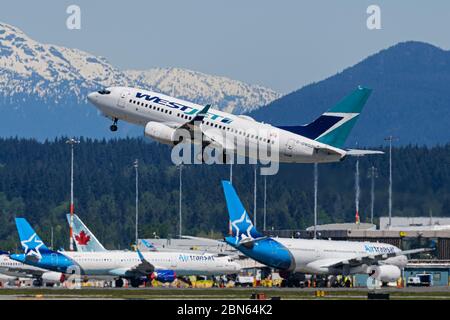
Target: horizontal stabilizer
{"x": 361, "y": 152}
{"x": 250, "y": 242}
{"x": 412, "y": 251}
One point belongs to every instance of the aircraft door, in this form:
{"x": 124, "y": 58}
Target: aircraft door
{"x": 317, "y": 253}
{"x": 124, "y": 97}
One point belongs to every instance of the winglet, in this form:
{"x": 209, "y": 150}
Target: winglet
{"x": 201, "y": 114}
{"x": 140, "y": 254}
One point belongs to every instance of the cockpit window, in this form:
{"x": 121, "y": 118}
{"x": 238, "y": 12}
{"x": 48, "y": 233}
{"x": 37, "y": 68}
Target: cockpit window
{"x": 104, "y": 91}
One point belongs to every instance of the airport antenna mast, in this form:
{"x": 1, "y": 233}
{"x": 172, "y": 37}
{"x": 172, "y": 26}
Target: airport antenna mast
{"x": 136, "y": 167}
{"x": 71, "y": 142}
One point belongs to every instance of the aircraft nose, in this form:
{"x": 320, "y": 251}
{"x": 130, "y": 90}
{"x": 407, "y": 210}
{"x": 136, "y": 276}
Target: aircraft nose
{"x": 91, "y": 97}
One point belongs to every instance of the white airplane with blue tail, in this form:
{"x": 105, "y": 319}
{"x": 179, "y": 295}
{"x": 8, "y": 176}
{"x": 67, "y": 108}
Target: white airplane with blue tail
{"x": 311, "y": 256}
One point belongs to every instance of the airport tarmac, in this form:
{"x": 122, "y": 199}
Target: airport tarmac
{"x": 413, "y": 293}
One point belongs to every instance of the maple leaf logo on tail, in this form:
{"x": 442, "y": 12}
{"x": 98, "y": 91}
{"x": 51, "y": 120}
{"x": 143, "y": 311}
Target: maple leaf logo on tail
{"x": 82, "y": 238}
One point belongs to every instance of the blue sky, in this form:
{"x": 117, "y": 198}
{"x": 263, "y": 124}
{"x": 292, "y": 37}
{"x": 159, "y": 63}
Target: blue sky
{"x": 279, "y": 44}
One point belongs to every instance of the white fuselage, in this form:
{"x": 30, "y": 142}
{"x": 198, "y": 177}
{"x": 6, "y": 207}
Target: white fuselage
{"x": 310, "y": 256}
{"x": 15, "y": 268}
{"x": 117, "y": 263}
{"x": 141, "y": 107}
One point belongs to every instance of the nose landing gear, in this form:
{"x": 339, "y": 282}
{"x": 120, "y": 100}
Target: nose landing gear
{"x": 113, "y": 127}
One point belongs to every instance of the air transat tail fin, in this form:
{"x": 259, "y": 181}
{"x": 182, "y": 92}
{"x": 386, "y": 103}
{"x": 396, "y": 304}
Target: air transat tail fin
{"x": 242, "y": 227}
{"x": 30, "y": 241}
{"x": 334, "y": 126}
{"x": 84, "y": 239}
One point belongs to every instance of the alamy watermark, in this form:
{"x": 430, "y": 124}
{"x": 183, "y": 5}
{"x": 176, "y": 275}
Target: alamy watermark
{"x": 228, "y": 146}
{"x": 73, "y": 21}
{"x": 373, "y": 22}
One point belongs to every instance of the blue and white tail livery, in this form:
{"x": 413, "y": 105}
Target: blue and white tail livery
{"x": 241, "y": 225}
{"x": 31, "y": 243}
{"x": 248, "y": 240}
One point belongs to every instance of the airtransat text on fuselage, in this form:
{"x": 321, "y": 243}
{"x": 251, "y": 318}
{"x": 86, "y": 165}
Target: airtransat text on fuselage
{"x": 375, "y": 249}
{"x": 186, "y": 109}
{"x": 186, "y": 258}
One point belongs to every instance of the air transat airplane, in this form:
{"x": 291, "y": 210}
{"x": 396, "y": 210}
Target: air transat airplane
{"x": 163, "y": 117}
{"x": 134, "y": 266}
{"x": 311, "y": 256}
{"x": 16, "y": 269}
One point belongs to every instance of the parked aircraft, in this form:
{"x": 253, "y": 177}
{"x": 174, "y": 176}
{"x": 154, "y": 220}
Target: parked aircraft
{"x": 311, "y": 256}
{"x": 134, "y": 266}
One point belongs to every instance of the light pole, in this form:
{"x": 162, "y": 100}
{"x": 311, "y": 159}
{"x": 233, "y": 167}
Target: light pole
{"x": 316, "y": 178}
{"x": 136, "y": 167}
{"x": 254, "y": 197}
{"x": 71, "y": 142}
{"x": 179, "y": 204}
{"x": 231, "y": 172}
{"x": 357, "y": 190}
{"x": 265, "y": 201}
{"x": 372, "y": 175}
{"x": 390, "y": 139}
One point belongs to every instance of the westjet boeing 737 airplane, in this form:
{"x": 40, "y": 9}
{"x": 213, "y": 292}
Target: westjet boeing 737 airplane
{"x": 164, "y": 118}
{"x": 311, "y": 256}
{"x": 135, "y": 266}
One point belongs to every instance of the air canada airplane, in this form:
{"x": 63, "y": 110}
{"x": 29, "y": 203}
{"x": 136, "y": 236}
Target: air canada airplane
{"x": 311, "y": 256}
{"x": 137, "y": 267}
{"x": 164, "y": 118}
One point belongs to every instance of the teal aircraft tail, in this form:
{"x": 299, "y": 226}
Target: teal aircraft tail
{"x": 334, "y": 126}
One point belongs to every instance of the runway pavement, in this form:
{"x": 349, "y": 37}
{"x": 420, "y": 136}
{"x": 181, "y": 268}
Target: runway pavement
{"x": 420, "y": 293}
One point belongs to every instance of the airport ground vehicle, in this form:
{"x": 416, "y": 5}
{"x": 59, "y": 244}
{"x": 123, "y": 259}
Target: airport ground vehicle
{"x": 420, "y": 280}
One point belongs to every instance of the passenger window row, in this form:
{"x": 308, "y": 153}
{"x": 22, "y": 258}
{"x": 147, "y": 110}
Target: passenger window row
{"x": 214, "y": 125}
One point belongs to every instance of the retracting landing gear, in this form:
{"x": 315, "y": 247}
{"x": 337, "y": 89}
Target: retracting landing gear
{"x": 113, "y": 127}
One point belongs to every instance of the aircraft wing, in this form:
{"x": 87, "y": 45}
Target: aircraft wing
{"x": 217, "y": 139}
{"x": 361, "y": 152}
{"x": 373, "y": 259}
{"x": 23, "y": 271}
{"x": 144, "y": 268}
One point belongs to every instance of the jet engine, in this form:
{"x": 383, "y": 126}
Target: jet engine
{"x": 160, "y": 133}
{"x": 49, "y": 279}
{"x": 388, "y": 273}
{"x": 53, "y": 277}
{"x": 164, "y": 275}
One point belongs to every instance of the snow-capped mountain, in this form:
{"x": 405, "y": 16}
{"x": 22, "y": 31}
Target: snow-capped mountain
{"x": 225, "y": 94}
{"x": 34, "y": 72}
